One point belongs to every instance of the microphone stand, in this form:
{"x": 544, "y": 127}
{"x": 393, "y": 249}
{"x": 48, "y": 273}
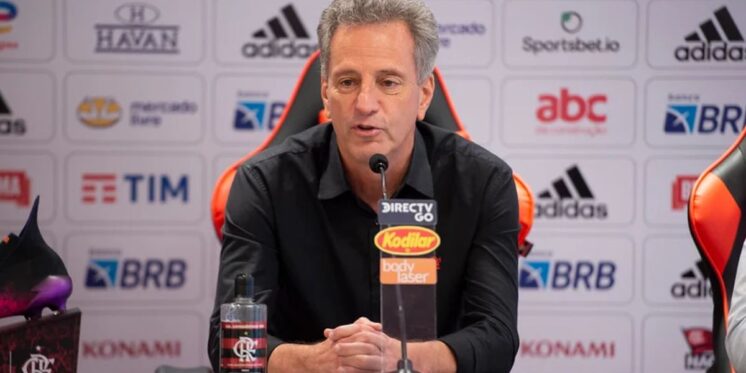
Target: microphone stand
{"x": 404, "y": 365}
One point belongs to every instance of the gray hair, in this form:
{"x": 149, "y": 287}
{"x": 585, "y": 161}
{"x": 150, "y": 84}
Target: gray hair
{"x": 414, "y": 13}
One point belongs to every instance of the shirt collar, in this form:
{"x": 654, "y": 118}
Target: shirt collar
{"x": 419, "y": 175}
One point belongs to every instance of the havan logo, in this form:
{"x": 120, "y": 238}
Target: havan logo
{"x": 137, "y": 32}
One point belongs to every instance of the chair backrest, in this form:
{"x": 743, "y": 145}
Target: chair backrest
{"x": 305, "y": 109}
{"x": 718, "y": 227}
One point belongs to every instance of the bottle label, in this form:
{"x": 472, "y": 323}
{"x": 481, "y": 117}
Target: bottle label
{"x": 243, "y": 347}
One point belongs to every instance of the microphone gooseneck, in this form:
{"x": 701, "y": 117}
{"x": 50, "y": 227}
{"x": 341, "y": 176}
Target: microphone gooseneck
{"x": 379, "y": 163}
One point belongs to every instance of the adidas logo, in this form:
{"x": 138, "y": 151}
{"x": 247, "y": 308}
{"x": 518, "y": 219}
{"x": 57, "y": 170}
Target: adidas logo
{"x": 693, "y": 284}
{"x": 4, "y": 109}
{"x": 8, "y": 124}
{"x": 278, "y": 31}
{"x": 570, "y": 198}
{"x": 280, "y": 38}
{"x": 717, "y": 39}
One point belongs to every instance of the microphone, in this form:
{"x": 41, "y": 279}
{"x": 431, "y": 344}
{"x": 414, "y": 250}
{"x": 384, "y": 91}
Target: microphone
{"x": 379, "y": 163}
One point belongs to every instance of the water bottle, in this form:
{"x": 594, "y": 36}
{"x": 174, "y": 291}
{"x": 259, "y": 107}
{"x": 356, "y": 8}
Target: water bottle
{"x": 243, "y": 331}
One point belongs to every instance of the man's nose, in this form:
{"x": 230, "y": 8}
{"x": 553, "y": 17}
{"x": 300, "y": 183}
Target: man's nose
{"x": 367, "y": 99}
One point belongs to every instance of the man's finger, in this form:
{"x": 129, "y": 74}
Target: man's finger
{"x": 344, "y": 349}
{"x": 361, "y": 363}
{"x": 374, "y": 338}
{"x": 365, "y": 321}
{"x": 344, "y": 331}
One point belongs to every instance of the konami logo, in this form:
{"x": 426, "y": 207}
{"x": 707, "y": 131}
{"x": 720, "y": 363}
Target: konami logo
{"x": 548, "y": 348}
{"x": 114, "y": 349}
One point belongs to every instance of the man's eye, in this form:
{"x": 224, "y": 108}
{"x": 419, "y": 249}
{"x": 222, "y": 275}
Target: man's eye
{"x": 346, "y": 83}
{"x": 389, "y": 83}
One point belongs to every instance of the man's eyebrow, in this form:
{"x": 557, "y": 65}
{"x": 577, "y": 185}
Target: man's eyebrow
{"x": 390, "y": 72}
{"x": 344, "y": 72}
{"x": 384, "y": 72}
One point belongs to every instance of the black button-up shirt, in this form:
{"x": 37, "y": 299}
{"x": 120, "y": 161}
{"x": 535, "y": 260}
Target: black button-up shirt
{"x": 293, "y": 222}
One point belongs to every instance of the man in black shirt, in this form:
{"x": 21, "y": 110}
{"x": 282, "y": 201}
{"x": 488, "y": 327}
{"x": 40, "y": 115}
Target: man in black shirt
{"x": 301, "y": 216}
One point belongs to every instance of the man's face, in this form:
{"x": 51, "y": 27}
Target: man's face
{"x": 371, "y": 91}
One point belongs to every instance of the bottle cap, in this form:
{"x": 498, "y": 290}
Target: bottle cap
{"x": 244, "y": 286}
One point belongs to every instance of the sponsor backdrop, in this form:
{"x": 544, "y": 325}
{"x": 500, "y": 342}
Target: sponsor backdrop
{"x": 121, "y": 114}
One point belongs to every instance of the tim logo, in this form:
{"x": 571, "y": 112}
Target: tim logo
{"x": 680, "y": 191}
{"x": 15, "y": 187}
{"x": 718, "y": 39}
{"x": 283, "y": 37}
{"x": 567, "y": 275}
{"x": 128, "y": 273}
{"x": 570, "y": 197}
{"x": 701, "y": 356}
{"x": 693, "y": 283}
{"x": 704, "y": 119}
{"x": 101, "y": 188}
{"x": 137, "y": 32}
{"x": 257, "y": 115}
{"x": 99, "y": 112}
{"x": 8, "y": 124}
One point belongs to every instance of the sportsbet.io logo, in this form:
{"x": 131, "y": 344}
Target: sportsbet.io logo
{"x": 718, "y": 39}
{"x": 284, "y": 37}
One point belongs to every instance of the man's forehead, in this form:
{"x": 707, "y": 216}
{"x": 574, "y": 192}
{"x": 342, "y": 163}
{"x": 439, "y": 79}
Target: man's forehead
{"x": 371, "y": 43}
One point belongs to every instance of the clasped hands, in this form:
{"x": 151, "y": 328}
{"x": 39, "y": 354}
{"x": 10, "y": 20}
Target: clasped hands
{"x": 358, "y": 347}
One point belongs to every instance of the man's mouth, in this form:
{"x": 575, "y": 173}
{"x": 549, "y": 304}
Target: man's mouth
{"x": 366, "y": 130}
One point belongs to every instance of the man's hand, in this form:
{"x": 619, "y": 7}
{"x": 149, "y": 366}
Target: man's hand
{"x": 360, "y": 347}
{"x": 363, "y": 347}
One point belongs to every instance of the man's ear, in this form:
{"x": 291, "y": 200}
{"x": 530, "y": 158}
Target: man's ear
{"x": 324, "y": 96}
{"x": 427, "y": 89}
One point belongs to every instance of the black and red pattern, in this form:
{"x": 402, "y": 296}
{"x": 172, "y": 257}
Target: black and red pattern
{"x": 55, "y": 337}
{"x": 249, "y": 338}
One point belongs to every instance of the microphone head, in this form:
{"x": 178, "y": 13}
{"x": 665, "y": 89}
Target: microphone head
{"x": 378, "y": 163}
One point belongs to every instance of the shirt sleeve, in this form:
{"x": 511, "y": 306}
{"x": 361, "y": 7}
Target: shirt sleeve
{"x": 488, "y": 340}
{"x": 248, "y": 246}
{"x": 735, "y": 341}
